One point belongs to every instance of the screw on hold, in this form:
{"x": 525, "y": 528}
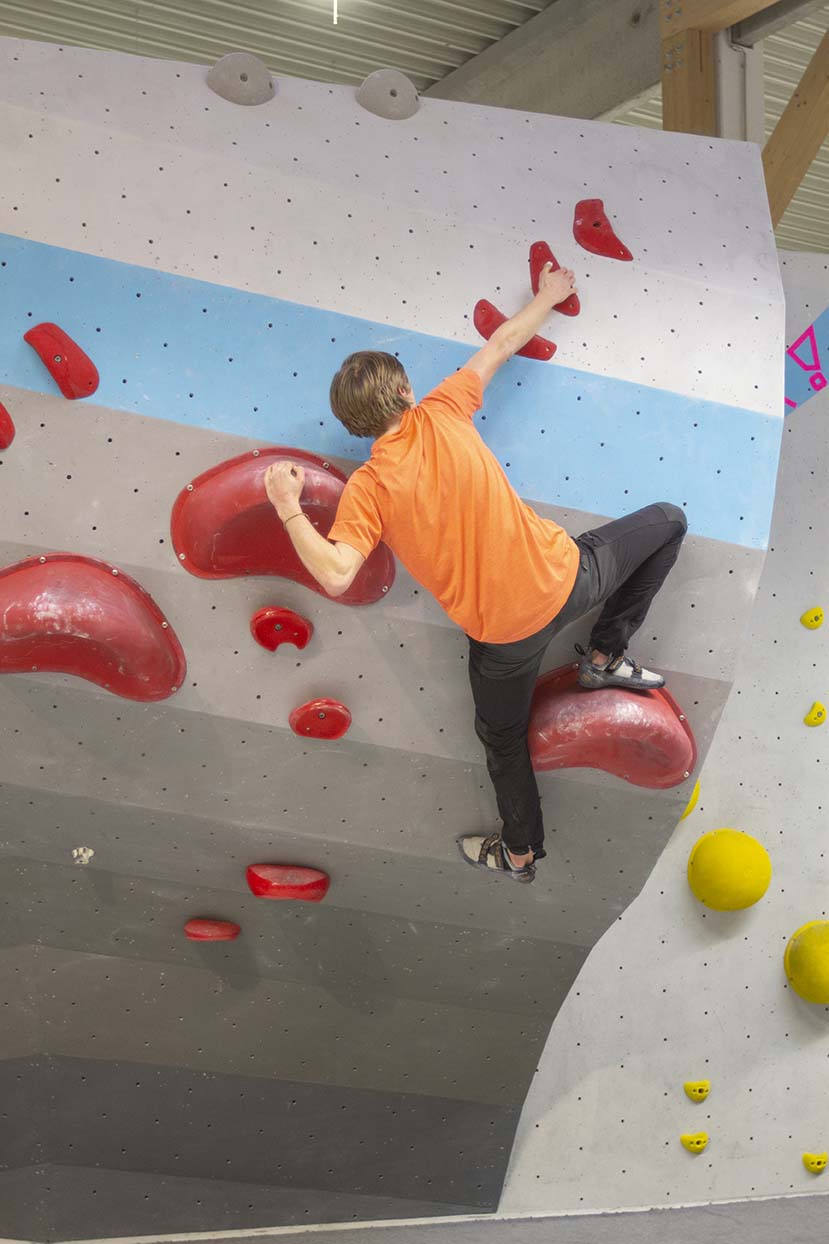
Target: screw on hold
{"x": 58, "y": 358}
{"x": 181, "y": 557}
{"x": 114, "y": 571}
{"x": 325, "y": 466}
{"x": 256, "y": 453}
{"x": 385, "y": 587}
{"x": 34, "y": 669}
{"x": 174, "y": 688}
{"x": 42, "y": 560}
{"x": 165, "y": 625}
{"x": 687, "y": 775}
{"x": 681, "y": 716}
{"x": 189, "y": 487}
{"x": 321, "y": 716}
{"x": 278, "y": 626}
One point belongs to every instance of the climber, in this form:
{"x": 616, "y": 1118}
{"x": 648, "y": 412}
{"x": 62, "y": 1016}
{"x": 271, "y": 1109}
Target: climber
{"x": 438, "y": 497}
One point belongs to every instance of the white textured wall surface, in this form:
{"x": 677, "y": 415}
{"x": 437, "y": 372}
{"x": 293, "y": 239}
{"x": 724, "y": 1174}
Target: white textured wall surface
{"x": 674, "y": 992}
{"x": 405, "y": 223}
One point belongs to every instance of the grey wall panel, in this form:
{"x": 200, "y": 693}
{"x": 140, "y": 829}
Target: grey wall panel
{"x": 111, "y": 1008}
{"x": 56, "y": 1202}
{"x": 606, "y": 839}
{"x": 162, "y": 1120}
{"x": 355, "y": 956}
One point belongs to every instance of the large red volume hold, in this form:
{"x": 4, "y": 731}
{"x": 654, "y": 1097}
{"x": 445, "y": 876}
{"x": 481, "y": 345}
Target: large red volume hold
{"x": 540, "y": 254}
{"x": 71, "y": 369}
{"x": 6, "y": 428}
{"x": 273, "y": 626}
{"x": 487, "y": 318}
{"x": 224, "y": 526}
{"x": 212, "y": 930}
{"x": 68, "y": 614}
{"x": 593, "y": 231}
{"x": 640, "y": 736}
{"x": 281, "y": 881}
{"x": 320, "y": 719}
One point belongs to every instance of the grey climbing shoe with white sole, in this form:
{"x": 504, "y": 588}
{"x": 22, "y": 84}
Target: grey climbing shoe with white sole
{"x": 620, "y": 671}
{"x": 487, "y": 851}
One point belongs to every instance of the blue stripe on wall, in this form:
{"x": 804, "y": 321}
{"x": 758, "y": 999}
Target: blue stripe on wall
{"x": 196, "y": 353}
{"x": 807, "y": 363}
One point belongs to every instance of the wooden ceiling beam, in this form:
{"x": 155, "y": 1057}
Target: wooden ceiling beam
{"x": 677, "y": 16}
{"x": 799, "y": 133}
{"x": 689, "y": 89}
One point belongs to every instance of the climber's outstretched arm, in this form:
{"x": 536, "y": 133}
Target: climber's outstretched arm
{"x": 554, "y": 287}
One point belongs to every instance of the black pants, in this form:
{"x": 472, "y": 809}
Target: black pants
{"x": 624, "y": 564}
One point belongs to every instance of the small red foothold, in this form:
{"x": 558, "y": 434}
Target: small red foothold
{"x": 72, "y": 370}
{"x": 540, "y": 254}
{"x": 273, "y": 626}
{"x": 281, "y": 881}
{"x": 320, "y": 719}
{"x": 212, "y": 930}
{"x": 593, "y": 231}
{"x": 6, "y": 428}
{"x": 487, "y": 318}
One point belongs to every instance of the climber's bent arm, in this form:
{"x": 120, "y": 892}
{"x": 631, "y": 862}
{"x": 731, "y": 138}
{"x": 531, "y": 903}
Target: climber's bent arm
{"x": 334, "y": 566}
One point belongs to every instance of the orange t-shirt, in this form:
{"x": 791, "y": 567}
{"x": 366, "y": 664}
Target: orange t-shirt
{"x": 440, "y": 499}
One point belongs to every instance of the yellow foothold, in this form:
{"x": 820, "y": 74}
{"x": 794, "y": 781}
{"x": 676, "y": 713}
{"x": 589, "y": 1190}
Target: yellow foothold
{"x": 812, "y": 618}
{"x": 816, "y": 715}
{"x": 815, "y": 1162}
{"x": 698, "y": 1090}
{"x": 692, "y": 802}
{"x": 694, "y": 1142}
{"x": 729, "y": 870}
{"x": 807, "y": 962}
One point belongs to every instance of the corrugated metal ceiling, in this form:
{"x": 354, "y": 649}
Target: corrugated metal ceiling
{"x": 805, "y": 225}
{"x": 426, "y": 39}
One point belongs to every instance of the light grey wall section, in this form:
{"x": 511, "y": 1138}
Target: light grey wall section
{"x": 126, "y": 472}
{"x": 797, "y": 1220}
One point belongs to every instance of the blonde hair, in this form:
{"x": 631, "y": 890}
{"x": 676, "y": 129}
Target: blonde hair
{"x": 365, "y": 394}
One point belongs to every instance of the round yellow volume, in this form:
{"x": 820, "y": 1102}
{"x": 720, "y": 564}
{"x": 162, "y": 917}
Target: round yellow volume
{"x": 729, "y": 870}
{"x": 807, "y": 962}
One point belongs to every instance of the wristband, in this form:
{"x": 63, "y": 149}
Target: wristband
{"x": 299, "y": 514}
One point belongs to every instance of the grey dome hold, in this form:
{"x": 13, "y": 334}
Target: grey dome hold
{"x": 388, "y": 93}
{"x": 242, "y": 78}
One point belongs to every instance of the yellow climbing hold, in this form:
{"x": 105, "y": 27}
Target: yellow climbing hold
{"x": 812, "y": 618}
{"x": 694, "y": 1142}
{"x": 698, "y": 1090}
{"x": 729, "y": 870}
{"x": 815, "y": 1162}
{"x": 692, "y": 802}
{"x": 816, "y": 715}
{"x": 807, "y": 962}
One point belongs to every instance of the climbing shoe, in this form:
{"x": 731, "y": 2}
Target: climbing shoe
{"x": 488, "y": 852}
{"x": 620, "y": 671}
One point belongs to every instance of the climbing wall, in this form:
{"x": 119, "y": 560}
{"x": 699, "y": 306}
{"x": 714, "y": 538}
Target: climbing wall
{"x": 675, "y": 992}
{"x": 367, "y": 1056}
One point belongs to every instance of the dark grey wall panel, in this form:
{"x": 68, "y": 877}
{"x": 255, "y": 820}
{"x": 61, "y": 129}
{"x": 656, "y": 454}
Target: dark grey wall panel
{"x": 56, "y": 1203}
{"x": 357, "y": 957}
{"x": 161, "y": 1120}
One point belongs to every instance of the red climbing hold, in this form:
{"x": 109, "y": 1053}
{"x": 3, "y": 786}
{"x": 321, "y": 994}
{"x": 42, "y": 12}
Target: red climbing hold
{"x": 68, "y": 614}
{"x": 72, "y": 370}
{"x": 320, "y": 719}
{"x": 6, "y": 428}
{"x": 642, "y": 737}
{"x": 274, "y": 626}
{"x": 487, "y": 318}
{"x": 280, "y": 881}
{"x": 224, "y": 526}
{"x": 593, "y": 231}
{"x": 540, "y": 254}
{"x": 212, "y": 930}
